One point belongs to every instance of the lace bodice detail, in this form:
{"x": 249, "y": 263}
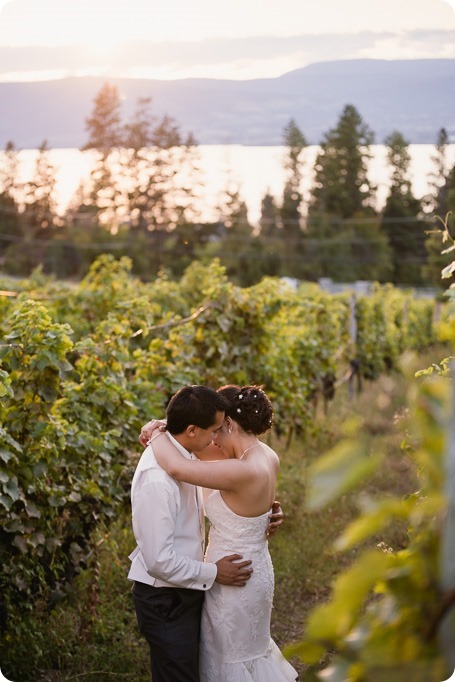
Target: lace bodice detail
{"x": 231, "y": 533}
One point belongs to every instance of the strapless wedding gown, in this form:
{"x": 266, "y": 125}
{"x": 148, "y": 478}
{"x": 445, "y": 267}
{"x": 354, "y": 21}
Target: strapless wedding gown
{"x": 235, "y": 628}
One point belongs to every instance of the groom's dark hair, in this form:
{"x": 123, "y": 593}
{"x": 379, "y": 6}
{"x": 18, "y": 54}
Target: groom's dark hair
{"x": 194, "y": 405}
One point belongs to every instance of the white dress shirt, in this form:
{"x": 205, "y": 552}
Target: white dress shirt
{"x": 168, "y": 527}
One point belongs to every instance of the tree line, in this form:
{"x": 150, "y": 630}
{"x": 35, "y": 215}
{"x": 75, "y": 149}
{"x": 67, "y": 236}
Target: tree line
{"x": 141, "y": 200}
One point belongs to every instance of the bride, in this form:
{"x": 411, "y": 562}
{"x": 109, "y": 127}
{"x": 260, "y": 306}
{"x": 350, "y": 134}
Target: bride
{"x": 236, "y": 645}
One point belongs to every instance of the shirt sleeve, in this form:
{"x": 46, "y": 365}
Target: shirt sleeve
{"x": 154, "y": 526}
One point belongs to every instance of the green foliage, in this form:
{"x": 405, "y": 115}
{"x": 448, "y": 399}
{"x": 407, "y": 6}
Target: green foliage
{"x": 395, "y": 631}
{"x": 82, "y": 366}
{"x": 391, "y": 613}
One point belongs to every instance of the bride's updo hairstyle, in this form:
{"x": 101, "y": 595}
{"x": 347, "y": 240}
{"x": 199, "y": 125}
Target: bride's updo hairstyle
{"x": 249, "y": 406}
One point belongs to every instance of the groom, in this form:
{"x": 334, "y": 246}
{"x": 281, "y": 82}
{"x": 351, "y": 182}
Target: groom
{"x": 168, "y": 569}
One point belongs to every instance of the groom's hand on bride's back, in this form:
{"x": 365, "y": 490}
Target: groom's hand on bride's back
{"x": 232, "y": 571}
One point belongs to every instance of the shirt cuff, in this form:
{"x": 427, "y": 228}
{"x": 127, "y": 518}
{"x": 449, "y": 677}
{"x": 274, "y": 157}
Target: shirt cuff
{"x": 207, "y": 577}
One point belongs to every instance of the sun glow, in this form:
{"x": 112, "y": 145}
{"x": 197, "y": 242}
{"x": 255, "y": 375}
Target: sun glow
{"x": 101, "y": 24}
{"x": 41, "y": 39}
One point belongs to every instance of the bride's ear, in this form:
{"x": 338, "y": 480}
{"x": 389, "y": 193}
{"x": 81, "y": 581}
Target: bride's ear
{"x": 228, "y": 422}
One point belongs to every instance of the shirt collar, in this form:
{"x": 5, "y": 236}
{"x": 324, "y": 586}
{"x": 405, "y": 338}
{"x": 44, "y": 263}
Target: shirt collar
{"x": 184, "y": 451}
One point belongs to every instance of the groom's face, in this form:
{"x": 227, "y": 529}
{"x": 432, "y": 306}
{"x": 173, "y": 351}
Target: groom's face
{"x": 203, "y": 437}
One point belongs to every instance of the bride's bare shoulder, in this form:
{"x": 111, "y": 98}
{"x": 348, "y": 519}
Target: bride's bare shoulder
{"x": 270, "y": 452}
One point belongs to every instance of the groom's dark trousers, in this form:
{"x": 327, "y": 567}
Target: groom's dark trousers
{"x": 169, "y": 618}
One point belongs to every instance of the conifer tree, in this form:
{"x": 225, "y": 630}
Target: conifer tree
{"x": 105, "y": 135}
{"x": 10, "y": 219}
{"x": 401, "y": 217}
{"x": 342, "y": 233}
{"x": 438, "y": 178}
{"x": 104, "y": 125}
{"x": 269, "y": 216}
{"x": 236, "y": 247}
{"x": 289, "y": 212}
{"x": 160, "y": 170}
{"x": 271, "y": 238}
{"x": 341, "y": 186}
{"x": 39, "y": 194}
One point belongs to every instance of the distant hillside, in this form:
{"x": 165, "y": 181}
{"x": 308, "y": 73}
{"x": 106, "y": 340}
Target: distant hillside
{"x": 415, "y": 97}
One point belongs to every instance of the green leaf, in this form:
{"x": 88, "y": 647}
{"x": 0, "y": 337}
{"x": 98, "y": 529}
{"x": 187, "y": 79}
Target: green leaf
{"x": 373, "y": 521}
{"x": 338, "y": 471}
{"x": 337, "y": 672}
{"x": 12, "y": 489}
{"x": 64, "y": 365}
{"x": 5, "y": 389}
{"x": 32, "y": 509}
{"x": 309, "y": 652}
{"x": 5, "y": 456}
{"x": 20, "y": 543}
{"x": 6, "y": 502}
{"x": 334, "y": 620}
{"x": 448, "y": 271}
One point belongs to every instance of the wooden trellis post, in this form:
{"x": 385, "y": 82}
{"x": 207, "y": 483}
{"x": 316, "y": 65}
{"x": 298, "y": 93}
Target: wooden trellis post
{"x": 353, "y": 338}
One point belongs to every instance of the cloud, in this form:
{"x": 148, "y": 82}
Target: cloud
{"x": 254, "y": 57}
{"x": 60, "y": 21}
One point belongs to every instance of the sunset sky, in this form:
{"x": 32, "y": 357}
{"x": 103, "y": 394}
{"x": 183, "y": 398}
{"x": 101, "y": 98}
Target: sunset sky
{"x": 42, "y": 39}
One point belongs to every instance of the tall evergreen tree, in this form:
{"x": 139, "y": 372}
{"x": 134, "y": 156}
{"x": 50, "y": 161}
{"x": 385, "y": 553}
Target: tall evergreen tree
{"x": 10, "y": 219}
{"x": 401, "y": 217}
{"x": 269, "y": 216}
{"x": 38, "y": 218}
{"x": 136, "y": 164}
{"x": 160, "y": 170}
{"x": 270, "y": 238}
{"x": 342, "y": 232}
{"x": 39, "y": 195}
{"x": 438, "y": 178}
{"x": 104, "y": 125}
{"x": 105, "y": 135}
{"x": 290, "y": 214}
{"x": 236, "y": 247}
{"x": 341, "y": 186}
{"x": 290, "y": 211}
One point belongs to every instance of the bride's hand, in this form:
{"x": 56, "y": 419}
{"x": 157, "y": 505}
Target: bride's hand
{"x": 150, "y": 429}
{"x": 276, "y": 519}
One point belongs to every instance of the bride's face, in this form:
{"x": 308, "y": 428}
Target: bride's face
{"x": 224, "y": 438}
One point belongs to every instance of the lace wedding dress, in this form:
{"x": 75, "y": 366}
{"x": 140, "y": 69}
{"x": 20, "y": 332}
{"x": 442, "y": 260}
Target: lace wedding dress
{"x": 235, "y": 628}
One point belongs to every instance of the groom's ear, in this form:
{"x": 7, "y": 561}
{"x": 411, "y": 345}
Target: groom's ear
{"x": 191, "y": 431}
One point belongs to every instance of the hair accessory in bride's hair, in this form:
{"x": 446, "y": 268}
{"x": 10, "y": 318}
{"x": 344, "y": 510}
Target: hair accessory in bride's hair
{"x": 239, "y": 410}
{"x": 240, "y": 396}
{"x": 256, "y": 411}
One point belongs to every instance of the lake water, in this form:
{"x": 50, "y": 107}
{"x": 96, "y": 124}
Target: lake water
{"x": 256, "y": 170}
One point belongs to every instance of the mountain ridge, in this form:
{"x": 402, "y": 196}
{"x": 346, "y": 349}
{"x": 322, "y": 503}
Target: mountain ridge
{"x": 412, "y": 96}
